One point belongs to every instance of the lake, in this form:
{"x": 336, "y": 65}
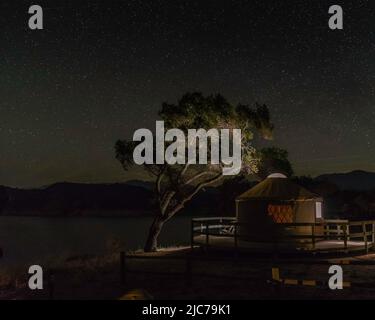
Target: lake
{"x": 34, "y": 240}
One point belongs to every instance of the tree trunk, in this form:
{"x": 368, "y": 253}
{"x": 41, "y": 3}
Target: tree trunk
{"x": 153, "y": 234}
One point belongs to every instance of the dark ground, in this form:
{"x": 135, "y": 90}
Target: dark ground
{"x": 221, "y": 278}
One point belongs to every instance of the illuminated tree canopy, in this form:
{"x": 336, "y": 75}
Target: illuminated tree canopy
{"x": 176, "y": 185}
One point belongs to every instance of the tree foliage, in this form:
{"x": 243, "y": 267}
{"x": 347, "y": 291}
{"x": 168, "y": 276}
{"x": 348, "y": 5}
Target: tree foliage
{"x": 176, "y": 185}
{"x": 273, "y": 160}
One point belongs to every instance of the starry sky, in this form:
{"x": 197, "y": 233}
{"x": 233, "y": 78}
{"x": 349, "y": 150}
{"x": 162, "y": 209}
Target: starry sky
{"x": 101, "y": 69}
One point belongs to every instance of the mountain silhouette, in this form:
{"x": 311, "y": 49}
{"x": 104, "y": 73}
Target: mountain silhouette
{"x": 354, "y": 180}
{"x": 136, "y": 197}
{"x": 76, "y": 199}
{"x": 133, "y": 198}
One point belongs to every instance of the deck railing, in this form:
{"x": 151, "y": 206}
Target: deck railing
{"x": 340, "y": 230}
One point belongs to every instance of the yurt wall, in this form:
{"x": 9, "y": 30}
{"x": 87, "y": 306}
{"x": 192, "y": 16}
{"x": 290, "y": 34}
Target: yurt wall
{"x": 263, "y": 211}
{"x": 262, "y": 220}
{"x": 257, "y": 225}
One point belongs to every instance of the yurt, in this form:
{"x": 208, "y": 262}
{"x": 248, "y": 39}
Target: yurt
{"x": 262, "y": 210}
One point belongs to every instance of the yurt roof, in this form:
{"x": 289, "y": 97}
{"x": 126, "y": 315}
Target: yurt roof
{"x": 278, "y": 187}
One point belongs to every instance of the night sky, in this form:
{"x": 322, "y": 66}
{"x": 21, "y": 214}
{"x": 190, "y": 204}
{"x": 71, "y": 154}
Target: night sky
{"x": 101, "y": 69}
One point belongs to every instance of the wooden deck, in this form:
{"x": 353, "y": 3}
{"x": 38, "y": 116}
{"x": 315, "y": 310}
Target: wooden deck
{"x": 327, "y": 236}
{"x": 222, "y": 242}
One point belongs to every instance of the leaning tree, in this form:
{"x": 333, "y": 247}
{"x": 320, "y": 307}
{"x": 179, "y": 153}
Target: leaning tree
{"x": 176, "y": 185}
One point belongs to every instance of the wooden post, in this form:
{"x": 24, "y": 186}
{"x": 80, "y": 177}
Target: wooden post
{"x": 275, "y": 274}
{"x": 235, "y": 240}
{"x": 373, "y": 235}
{"x": 275, "y": 242}
{"x": 188, "y": 272}
{"x": 207, "y": 233}
{"x": 365, "y": 236}
{"x": 325, "y": 231}
{"x": 348, "y": 226}
{"x": 276, "y": 281}
{"x": 345, "y": 230}
{"x": 235, "y": 236}
{"x": 122, "y": 268}
{"x": 313, "y": 235}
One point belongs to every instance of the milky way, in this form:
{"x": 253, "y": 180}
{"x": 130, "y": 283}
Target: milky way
{"x": 100, "y": 70}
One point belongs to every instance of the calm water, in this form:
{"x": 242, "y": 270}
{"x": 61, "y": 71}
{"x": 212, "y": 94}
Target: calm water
{"x": 37, "y": 240}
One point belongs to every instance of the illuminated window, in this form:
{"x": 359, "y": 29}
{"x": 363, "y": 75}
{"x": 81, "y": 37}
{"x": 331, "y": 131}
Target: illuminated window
{"x": 318, "y": 210}
{"x": 281, "y": 213}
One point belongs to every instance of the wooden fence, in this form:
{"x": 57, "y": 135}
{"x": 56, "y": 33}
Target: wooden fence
{"x": 340, "y": 230}
{"x": 188, "y": 270}
{"x": 189, "y": 261}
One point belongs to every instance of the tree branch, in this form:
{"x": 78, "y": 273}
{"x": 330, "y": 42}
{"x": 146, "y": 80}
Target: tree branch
{"x": 197, "y": 176}
{"x": 164, "y": 205}
{"x": 158, "y": 182}
{"x": 183, "y": 171}
{"x": 196, "y": 190}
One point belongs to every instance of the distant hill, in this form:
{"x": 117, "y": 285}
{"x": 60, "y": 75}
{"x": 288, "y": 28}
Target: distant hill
{"x": 76, "y": 199}
{"x": 355, "y": 180}
{"x": 133, "y": 198}
{"x": 149, "y": 185}
{"x": 136, "y": 197}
